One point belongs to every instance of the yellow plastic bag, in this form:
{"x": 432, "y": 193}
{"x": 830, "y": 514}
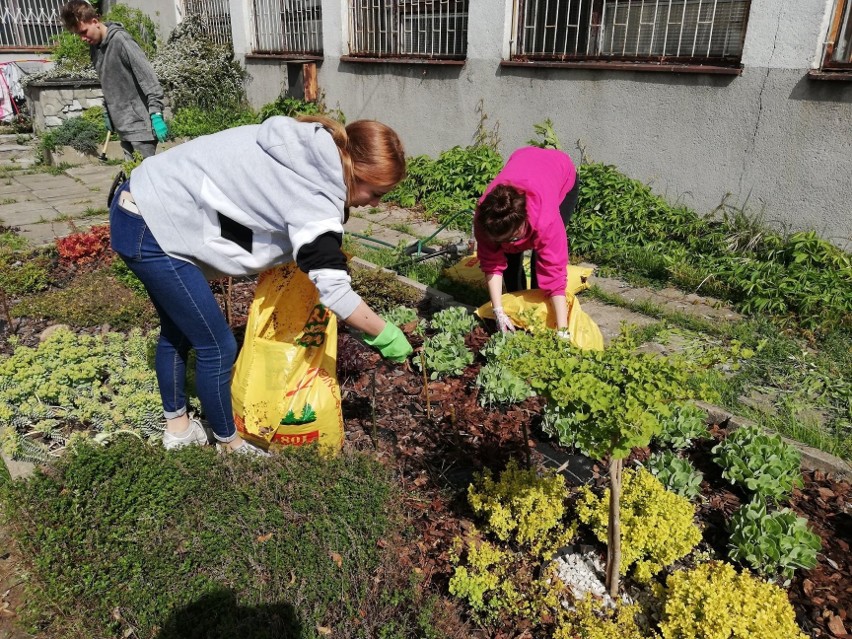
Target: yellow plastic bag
{"x": 532, "y": 310}
{"x": 284, "y": 388}
{"x": 467, "y": 271}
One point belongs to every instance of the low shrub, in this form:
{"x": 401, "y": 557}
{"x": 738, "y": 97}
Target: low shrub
{"x": 772, "y": 543}
{"x": 676, "y": 474}
{"x": 657, "y": 526}
{"x": 93, "y": 299}
{"x": 759, "y": 462}
{"x": 192, "y": 122}
{"x": 446, "y": 354}
{"x": 80, "y": 134}
{"x": 381, "y": 290}
{"x": 131, "y": 539}
{"x": 712, "y": 601}
{"x": 455, "y": 320}
{"x": 522, "y": 507}
{"x": 591, "y": 619}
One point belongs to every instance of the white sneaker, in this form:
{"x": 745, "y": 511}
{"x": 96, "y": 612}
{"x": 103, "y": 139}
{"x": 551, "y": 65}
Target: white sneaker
{"x": 249, "y": 449}
{"x": 194, "y": 435}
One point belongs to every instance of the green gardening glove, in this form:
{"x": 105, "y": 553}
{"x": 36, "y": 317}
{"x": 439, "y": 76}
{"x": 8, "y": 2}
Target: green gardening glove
{"x": 159, "y": 126}
{"x": 391, "y": 343}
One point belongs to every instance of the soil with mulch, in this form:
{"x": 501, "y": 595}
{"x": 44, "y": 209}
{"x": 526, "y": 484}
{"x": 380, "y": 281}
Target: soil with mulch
{"x": 437, "y": 442}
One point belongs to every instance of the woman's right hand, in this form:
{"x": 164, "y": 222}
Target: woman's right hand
{"x": 503, "y": 320}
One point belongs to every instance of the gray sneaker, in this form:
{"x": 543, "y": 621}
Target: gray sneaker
{"x": 195, "y": 435}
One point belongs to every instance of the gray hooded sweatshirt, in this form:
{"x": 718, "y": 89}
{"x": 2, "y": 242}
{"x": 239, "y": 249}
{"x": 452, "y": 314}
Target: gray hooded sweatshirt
{"x": 243, "y": 200}
{"x": 131, "y": 89}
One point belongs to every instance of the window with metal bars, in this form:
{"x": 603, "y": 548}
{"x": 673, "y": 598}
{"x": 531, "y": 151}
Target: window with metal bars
{"x": 288, "y": 27}
{"x": 215, "y": 17}
{"x": 432, "y": 29}
{"x": 29, "y": 24}
{"x": 838, "y": 45}
{"x": 660, "y": 31}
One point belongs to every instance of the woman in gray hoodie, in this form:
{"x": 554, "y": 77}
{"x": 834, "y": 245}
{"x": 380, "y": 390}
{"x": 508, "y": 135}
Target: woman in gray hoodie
{"x": 237, "y": 203}
{"x": 133, "y": 97}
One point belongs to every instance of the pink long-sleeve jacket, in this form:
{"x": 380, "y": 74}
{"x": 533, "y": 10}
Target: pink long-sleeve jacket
{"x": 545, "y": 176}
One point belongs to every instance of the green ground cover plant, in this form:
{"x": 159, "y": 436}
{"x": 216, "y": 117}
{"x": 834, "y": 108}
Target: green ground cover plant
{"x": 131, "y": 539}
{"x": 676, "y": 474}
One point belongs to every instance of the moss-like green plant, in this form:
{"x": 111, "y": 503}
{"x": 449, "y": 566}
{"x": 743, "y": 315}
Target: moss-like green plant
{"x": 657, "y": 526}
{"x": 760, "y": 462}
{"x": 523, "y": 507}
{"x": 382, "y": 290}
{"x": 93, "y": 299}
{"x": 23, "y": 273}
{"x": 772, "y": 543}
{"x": 712, "y": 601}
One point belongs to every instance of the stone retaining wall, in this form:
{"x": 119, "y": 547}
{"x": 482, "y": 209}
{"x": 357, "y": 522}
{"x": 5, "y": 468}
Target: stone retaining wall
{"x": 52, "y": 102}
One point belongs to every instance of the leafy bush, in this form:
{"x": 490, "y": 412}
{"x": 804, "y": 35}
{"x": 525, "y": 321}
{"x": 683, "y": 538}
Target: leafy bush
{"x": 761, "y": 463}
{"x": 621, "y": 223}
{"x": 713, "y": 601}
{"x": 191, "y": 543}
{"x": 197, "y": 72}
{"x": 446, "y": 354}
{"x": 24, "y": 273}
{"x": 657, "y": 525}
{"x": 192, "y": 122}
{"x": 591, "y": 619}
{"x": 81, "y": 134}
{"x": 676, "y": 474}
{"x": 455, "y": 320}
{"x": 72, "y": 382}
{"x": 772, "y": 543}
{"x": 499, "y": 385}
{"x": 686, "y": 423}
{"x": 452, "y": 183}
{"x": 93, "y": 299}
{"x": 522, "y": 507}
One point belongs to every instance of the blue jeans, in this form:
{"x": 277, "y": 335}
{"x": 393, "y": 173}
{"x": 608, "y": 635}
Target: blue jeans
{"x": 190, "y": 317}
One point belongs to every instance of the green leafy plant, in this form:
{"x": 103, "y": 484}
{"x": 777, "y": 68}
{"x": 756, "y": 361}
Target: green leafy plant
{"x": 193, "y": 121}
{"x": 23, "y": 273}
{"x": 499, "y": 385}
{"x": 657, "y": 526}
{"x": 382, "y": 290}
{"x": 676, "y": 474}
{"x": 712, "y": 601}
{"x": 761, "y": 463}
{"x": 545, "y": 131}
{"x": 455, "y": 320}
{"x": 446, "y": 354}
{"x": 400, "y": 315}
{"x": 772, "y": 543}
{"x": 686, "y": 423}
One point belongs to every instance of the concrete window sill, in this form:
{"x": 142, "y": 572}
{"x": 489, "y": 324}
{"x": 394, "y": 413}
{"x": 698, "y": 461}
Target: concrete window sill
{"x": 600, "y": 65}
{"x": 424, "y": 61}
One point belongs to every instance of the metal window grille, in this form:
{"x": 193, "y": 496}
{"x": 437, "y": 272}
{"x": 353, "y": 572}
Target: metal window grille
{"x": 409, "y": 28}
{"x": 29, "y": 24}
{"x": 215, "y": 16}
{"x": 631, "y": 30}
{"x": 838, "y": 46}
{"x": 288, "y": 27}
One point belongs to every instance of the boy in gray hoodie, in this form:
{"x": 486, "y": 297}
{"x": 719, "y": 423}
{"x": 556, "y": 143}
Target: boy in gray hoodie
{"x": 133, "y": 97}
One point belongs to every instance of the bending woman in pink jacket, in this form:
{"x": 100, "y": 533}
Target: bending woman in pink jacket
{"x": 527, "y": 206}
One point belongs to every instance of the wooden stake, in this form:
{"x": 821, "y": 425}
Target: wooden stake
{"x": 613, "y": 549}
{"x": 309, "y": 79}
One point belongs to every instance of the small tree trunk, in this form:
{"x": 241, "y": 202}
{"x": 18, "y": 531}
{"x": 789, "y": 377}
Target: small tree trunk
{"x": 613, "y": 552}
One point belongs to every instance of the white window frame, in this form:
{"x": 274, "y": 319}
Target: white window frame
{"x": 293, "y": 29}
{"x": 29, "y": 25}
{"x": 215, "y": 16}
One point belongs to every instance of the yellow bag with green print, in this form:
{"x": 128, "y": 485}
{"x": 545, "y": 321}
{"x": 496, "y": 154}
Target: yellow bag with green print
{"x": 284, "y": 388}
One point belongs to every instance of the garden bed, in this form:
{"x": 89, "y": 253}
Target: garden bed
{"x": 437, "y": 437}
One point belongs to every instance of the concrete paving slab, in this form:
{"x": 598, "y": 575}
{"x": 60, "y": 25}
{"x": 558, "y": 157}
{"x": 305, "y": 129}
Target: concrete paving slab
{"x": 45, "y": 181}
{"x": 610, "y": 318}
{"x": 26, "y": 213}
{"x": 11, "y": 186}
